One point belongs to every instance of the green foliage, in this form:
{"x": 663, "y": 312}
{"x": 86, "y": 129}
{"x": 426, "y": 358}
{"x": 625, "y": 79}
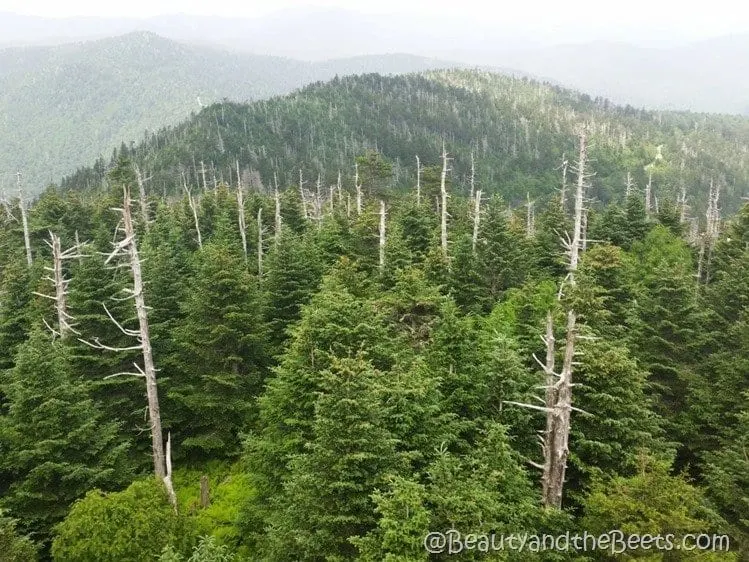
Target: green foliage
{"x": 15, "y": 547}
{"x": 651, "y": 502}
{"x": 221, "y": 356}
{"x": 57, "y": 446}
{"x": 207, "y": 550}
{"x": 129, "y": 526}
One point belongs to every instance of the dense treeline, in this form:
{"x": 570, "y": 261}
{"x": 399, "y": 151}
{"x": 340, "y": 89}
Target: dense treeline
{"x": 519, "y": 132}
{"x": 334, "y": 390}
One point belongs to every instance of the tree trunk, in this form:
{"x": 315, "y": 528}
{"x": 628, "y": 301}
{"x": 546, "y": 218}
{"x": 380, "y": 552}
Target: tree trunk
{"x": 443, "y": 205}
{"x": 24, "y": 221}
{"x": 382, "y": 236}
{"x": 241, "y": 215}
{"x": 476, "y": 220}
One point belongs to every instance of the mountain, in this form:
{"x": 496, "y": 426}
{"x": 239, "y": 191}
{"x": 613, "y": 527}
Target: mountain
{"x": 711, "y": 76}
{"x": 644, "y": 66}
{"x": 62, "y": 106}
{"x": 517, "y": 130}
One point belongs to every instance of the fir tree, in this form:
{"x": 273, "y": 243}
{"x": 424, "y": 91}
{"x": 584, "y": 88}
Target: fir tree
{"x": 58, "y": 445}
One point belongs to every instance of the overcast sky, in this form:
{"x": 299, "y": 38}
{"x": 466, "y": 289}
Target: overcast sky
{"x": 637, "y": 20}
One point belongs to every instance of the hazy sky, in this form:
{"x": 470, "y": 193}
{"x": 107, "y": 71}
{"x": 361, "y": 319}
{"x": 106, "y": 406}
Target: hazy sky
{"x": 646, "y": 19}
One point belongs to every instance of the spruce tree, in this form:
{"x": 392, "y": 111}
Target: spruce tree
{"x": 221, "y": 356}
{"x": 58, "y": 446}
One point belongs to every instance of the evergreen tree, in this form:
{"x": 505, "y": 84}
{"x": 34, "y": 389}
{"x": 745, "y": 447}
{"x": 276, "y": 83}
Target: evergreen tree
{"x": 57, "y": 444}
{"x": 221, "y": 359}
{"x": 327, "y": 497}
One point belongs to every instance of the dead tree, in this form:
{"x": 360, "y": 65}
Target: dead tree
{"x": 649, "y": 195}
{"x": 473, "y": 176}
{"x": 60, "y": 284}
{"x": 301, "y": 194}
{"x": 358, "y": 188}
{"x": 443, "y": 204}
{"x": 712, "y": 230}
{"x": 241, "y": 215}
{"x": 339, "y": 187}
{"x": 629, "y": 186}
{"x": 24, "y": 220}
{"x": 202, "y": 173}
{"x": 128, "y": 248}
{"x": 558, "y": 387}
{"x": 563, "y": 189}
{"x": 260, "y": 243}
{"x": 382, "y": 235}
{"x": 530, "y": 219}
{"x": 683, "y": 204}
{"x": 476, "y": 220}
{"x": 277, "y": 233}
{"x": 144, "y": 214}
{"x": 418, "y": 181}
{"x": 194, "y": 209}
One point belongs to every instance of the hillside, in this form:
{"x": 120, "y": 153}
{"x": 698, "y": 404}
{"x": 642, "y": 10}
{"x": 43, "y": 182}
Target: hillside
{"x": 639, "y": 63}
{"x": 517, "y": 129}
{"x": 63, "y": 106}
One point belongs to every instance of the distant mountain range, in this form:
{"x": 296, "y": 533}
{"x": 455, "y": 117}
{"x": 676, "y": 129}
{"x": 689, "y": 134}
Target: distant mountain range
{"x": 704, "y": 76}
{"x": 62, "y": 106}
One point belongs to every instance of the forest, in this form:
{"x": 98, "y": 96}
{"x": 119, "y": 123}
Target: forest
{"x": 323, "y": 326}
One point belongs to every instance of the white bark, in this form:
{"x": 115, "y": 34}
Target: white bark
{"x": 194, "y": 209}
{"x": 168, "y": 484}
{"x": 530, "y": 219}
{"x": 443, "y": 205}
{"x": 277, "y": 233}
{"x": 556, "y": 446}
{"x": 382, "y": 235}
{"x": 649, "y": 195}
{"x": 142, "y": 198}
{"x": 24, "y": 221}
{"x": 358, "y": 186}
{"x": 563, "y": 190}
{"x": 418, "y": 181}
{"x": 260, "y": 243}
{"x": 302, "y": 195}
{"x": 202, "y": 173}
{"x": 476, "y": 220}
{"x": 473, "y": 176}
{"x": 241, "y": 213}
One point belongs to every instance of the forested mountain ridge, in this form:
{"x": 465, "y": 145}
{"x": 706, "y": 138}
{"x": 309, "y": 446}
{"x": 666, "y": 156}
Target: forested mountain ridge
{"x": 197, "y": 363}
{"x": 518, "y": 131}
{"x": 65, "y": 105}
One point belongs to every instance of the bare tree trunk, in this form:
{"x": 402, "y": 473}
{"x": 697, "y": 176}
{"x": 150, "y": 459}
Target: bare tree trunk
{"x": 563, "y": 190}
{"x": 142, "y": 198}
{"x": 382, "y": 236}
{"x": 683, "y": 204}
{"x": 194, "y": 209}
{"x": 168, "y": 484}
{"x": 260, "y": 243}
{"x": 205, "y": 500}
{"x": 443, "y": 205}
{"x": 24, "y": 221}
{"x": 241, "y": 215}
{"x": 556, "y": 449}
{"x": 60, "y": 284}
{"x": 149, "y": 370}
{"x": 202, "y": 173}
{"x": 339, "y": 187}
{"x": 473, "y": 176}
{"x": 648, "y": 195}
{"x": 301, "y": 194}
{"x": 357, "y": 185}
{"x": 277, "y": 233}
{"x": 550, "y": 398}
{"x": 630, "y": 186}
{"x": 418, "y": 181}
{"x": 530, "y": 219}
{"x": 476, "y": 220}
